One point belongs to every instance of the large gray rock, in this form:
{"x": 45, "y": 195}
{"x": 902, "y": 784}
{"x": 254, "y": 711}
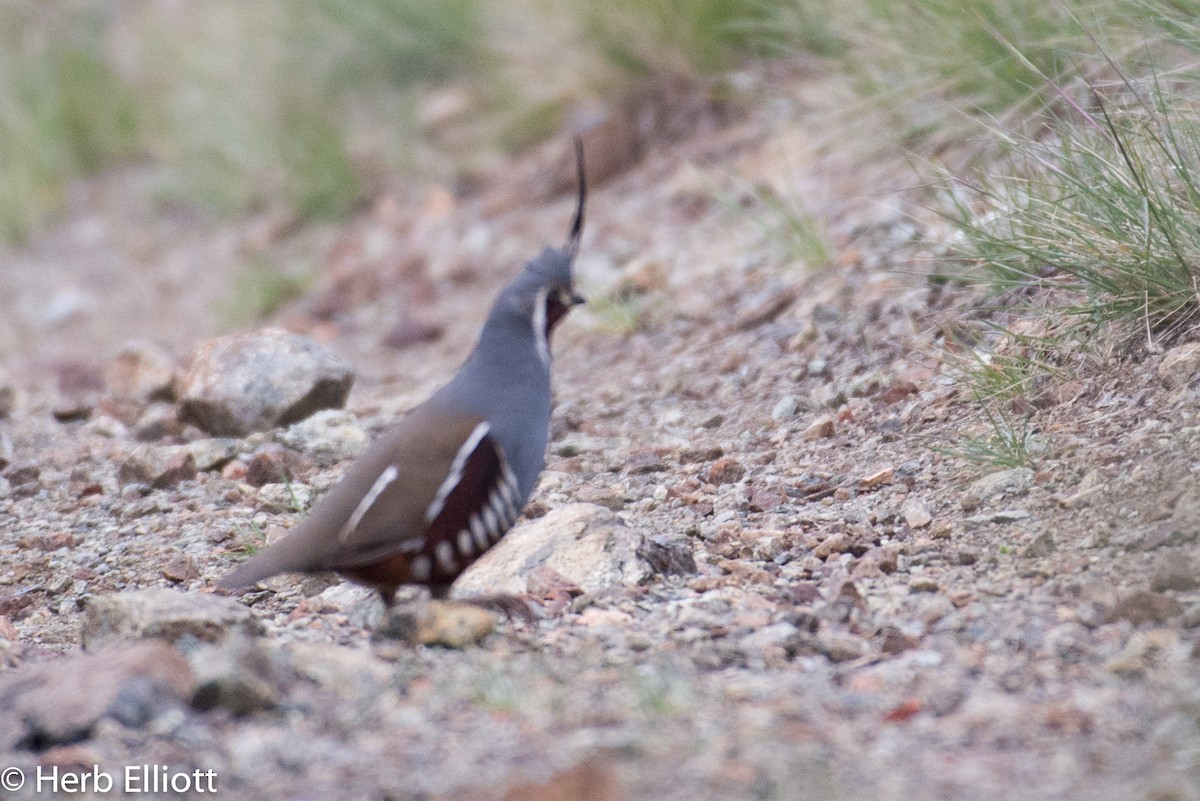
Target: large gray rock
{"x": 47, "y": 703}
{"x": 587, "y": 544}
{"x": 259, "y": 380}
{"x": 165, "y": 615}
{"x": 1005, "y": 483}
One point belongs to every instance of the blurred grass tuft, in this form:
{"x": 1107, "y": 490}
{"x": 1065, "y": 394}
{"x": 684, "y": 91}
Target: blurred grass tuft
{"x": 307, "y": 103}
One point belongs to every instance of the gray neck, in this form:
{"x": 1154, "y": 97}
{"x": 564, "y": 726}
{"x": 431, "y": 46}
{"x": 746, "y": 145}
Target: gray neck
{"x": 505, "y": 382}
{"x": 508, "y": 345}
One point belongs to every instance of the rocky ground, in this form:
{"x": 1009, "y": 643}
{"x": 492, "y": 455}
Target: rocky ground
{"x": 770, "y": 577}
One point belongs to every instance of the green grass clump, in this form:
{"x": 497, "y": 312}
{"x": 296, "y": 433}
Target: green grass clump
{"x": 938, "y": 68}
{"x": 321, "y": 182}
{"x": 307, "y": 104}
{"x": 399, "y": 41}
{"x": 1104, "y": 217}
{"x": 95, "y": 108}
{"x": 1006, "y": 381}
{"x": 620, "y": 312}
{"x": 1080, "y": 213}
{"x": 249, "y": 108}
{"x": 1009, "y": 442}
{"x": 989, "y": 56}
{"x": 63, "y": 112}
{"x": 785, "y": 220}
{"x": 240, "y": 105}
{"x": 682, "y": 36}
{"x": 260, "y": 289}
{"x": 251, "y": 538}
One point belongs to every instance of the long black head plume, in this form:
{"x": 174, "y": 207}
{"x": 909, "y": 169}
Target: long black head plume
{"x": 572, "y": 246}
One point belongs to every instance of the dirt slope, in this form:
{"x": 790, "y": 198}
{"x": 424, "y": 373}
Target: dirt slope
{"x": 867, "y": 620}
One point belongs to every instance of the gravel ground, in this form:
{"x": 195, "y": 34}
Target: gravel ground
{"x": 869, "y": 616}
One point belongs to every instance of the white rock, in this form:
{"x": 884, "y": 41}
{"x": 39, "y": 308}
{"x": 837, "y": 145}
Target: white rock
{"x": 916, "y": 513}
{"x": 587, "y": 544}
{"x": 1016, "y": 481}
{"x": 786, "y": 407}
{"x": 329, "y": 436}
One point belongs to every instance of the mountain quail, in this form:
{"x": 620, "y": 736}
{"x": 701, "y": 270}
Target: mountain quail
{"x": 446, "y": 482}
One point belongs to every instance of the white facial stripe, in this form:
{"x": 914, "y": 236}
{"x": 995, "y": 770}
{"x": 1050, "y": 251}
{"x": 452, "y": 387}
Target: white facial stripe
{"x": 539, "y": 327}
{"x": 455, "y": 475}
{"x": 420, "y": 568}
{"x": 445, "y": 557}
{"x": 381, "y": 483}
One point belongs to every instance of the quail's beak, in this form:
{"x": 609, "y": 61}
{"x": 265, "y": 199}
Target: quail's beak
{"x": 569, "y": 297}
